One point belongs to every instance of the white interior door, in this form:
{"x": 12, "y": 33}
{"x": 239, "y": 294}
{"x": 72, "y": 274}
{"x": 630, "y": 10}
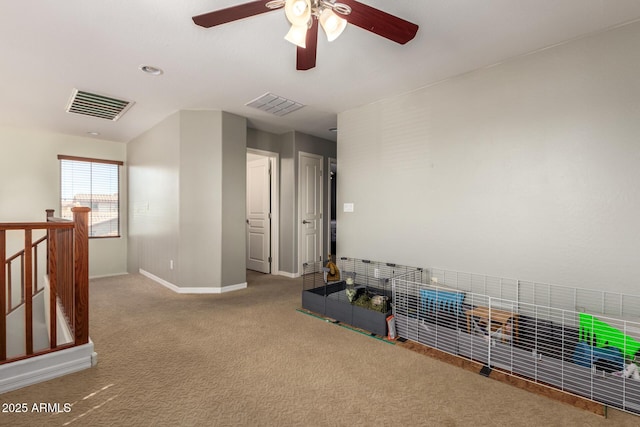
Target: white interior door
{"x": 310, "y": 207}
{"x": 258, "y": 215}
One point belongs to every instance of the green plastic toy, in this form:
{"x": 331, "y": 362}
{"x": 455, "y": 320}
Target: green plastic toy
{"x": 598, "y": 333}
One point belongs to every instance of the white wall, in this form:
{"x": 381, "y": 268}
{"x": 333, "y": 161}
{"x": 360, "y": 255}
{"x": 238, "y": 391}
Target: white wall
{"x": 30, "y": 183}
{"x": 528, "y": 169}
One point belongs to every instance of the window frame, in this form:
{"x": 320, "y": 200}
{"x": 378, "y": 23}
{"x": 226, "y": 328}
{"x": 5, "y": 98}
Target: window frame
{"x": 92, "y": 160}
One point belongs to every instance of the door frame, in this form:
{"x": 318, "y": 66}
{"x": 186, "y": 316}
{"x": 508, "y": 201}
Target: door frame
{"x": 299, "y": 214}
{"x": 331, "y": 161}
{"x": 274, "y": 162}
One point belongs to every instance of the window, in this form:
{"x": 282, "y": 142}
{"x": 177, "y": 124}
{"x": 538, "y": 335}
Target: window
{"x": 94, "y": 184}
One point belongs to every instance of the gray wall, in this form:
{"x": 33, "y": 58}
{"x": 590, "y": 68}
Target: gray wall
{"x": 528, "y": 169}
{"x": 288, "y": 205}
{"x": 234, "y": 199}
{"x": 184, "y": 178}
{"x": 265, "y": 141}
{"x": 154, "y": 177}
{"x": 200, "y": 197}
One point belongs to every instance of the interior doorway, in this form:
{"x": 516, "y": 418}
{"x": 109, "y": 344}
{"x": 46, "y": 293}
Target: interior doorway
{"x": 332, "y": 235}
{"x": 262, "y": 216}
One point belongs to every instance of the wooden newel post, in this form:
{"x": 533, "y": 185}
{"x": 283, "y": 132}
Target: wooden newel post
{"x": 81, "y": 273}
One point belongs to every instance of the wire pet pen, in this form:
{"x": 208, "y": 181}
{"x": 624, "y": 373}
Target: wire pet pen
{"x": 590, "y": 355}
{"x": 362, "y": 297}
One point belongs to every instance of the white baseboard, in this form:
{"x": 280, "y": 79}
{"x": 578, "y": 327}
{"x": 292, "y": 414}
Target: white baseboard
{"x": 289, "y": 275}
{"x": 37, "y": 369}
{"x": 199, "y": 290}
{"x": 232, "y": 288}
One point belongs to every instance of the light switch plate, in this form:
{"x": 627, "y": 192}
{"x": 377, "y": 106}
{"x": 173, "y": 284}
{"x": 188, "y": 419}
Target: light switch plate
{"x": 348, "y": 207}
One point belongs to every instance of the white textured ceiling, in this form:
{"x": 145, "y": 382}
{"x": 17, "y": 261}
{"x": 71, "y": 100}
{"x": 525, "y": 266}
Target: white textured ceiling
{"x": 48, "y": 48}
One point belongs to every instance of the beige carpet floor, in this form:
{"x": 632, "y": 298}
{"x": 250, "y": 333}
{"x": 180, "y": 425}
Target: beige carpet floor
{"x": 249, "y": 358}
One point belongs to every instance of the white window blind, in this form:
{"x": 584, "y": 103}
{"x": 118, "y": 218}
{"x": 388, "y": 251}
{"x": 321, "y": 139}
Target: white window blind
{"x": 94, "y": 184}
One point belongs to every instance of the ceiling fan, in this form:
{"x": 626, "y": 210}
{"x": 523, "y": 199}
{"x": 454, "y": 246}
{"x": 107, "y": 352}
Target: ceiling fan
{"x": 304, "y": 16}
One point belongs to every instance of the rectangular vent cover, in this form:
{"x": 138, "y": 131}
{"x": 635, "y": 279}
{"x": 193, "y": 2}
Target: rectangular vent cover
{"x": 274, "y": 104}
{"x": 95, "y": 105}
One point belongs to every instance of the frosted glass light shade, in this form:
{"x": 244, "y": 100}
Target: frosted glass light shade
{"x": 332, "y": 24}
{"x": 298, "y": 11}
{"x": 297, "y": 35}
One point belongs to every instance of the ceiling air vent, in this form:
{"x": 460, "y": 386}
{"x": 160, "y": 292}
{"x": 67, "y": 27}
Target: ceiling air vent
{"x": 95, "y": 105}
{"x": 275, "y": 104}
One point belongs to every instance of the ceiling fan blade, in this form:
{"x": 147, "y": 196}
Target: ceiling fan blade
{"x": 379, "y": 22}
{"x": 232, "y": 13}
{"x": 306, "y": 57}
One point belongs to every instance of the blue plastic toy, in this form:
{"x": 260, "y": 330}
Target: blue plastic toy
{"x": 586, "y": 355}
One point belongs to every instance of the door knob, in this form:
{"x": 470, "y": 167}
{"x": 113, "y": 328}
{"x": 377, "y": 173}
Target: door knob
{"x": 247, "y": 221}
{"x": 304, "y": 221}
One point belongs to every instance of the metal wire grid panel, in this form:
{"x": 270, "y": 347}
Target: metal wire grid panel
{"x": 573, "y": 351}
{"x": 556, "y": 296}
{"x": 373, "y": 275}
{"x": 313, "y": 275}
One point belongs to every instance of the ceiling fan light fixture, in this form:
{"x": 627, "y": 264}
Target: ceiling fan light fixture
{"x": 298, "y": 11}
{"x": 297, "y": 35}
{"x": 332, "y": 24}
{"x": 305, "y": 18}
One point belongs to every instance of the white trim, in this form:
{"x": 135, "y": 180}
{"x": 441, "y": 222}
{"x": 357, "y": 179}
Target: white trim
{"x": 198, "y": 290}
{"x": 274, "y": 161}
{"x": 287, "y": 274}
{"x": 63, "y": 330}
{"x": 37, "y": 369}
{"x": 229, "y": 288}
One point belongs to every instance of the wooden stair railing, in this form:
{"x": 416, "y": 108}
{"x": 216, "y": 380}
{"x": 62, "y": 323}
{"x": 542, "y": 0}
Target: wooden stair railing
{"x": 68, "y": 273}
{"x": 36, "y": 288}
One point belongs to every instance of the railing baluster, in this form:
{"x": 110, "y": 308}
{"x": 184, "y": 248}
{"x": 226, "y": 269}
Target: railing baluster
{"x": 27, "y": 274}
{"x": 68, "y": 279}
{"x": 6, "y": 308}
{"x": 52, "y": 265}
{"x": 34, "y": 250}
{"x": 3, "y": 301}
{"x": 71, "y": 278}
{"x": 22, "y": 278}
